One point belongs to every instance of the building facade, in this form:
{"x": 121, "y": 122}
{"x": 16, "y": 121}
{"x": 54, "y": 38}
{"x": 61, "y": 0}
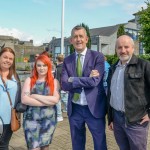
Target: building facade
{"x": 22, "y": 48}
{"x": 102, "y": 39}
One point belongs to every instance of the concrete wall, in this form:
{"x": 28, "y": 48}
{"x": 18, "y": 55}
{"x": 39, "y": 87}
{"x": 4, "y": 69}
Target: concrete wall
{"x": 21, "y": 48}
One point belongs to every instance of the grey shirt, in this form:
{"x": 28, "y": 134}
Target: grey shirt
{"x": 117, "y": 88}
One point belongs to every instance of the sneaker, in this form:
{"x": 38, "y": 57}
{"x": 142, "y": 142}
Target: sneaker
{"x": 64, "y": 111}
{"x": 59, "y": 119}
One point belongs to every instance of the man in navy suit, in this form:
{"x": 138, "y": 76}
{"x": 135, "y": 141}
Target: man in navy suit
{"x": 90, "y": 107}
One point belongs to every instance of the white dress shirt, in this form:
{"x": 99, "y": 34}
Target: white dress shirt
{"x": 82, "y": 100}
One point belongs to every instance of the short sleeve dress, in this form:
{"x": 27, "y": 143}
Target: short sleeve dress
{"x": 39, "y": 122}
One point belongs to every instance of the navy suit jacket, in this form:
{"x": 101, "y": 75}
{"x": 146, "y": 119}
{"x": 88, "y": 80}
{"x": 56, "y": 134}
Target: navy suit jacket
{"x": 93, "y": 86}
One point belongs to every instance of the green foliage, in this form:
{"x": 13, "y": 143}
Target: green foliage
{"x": 121, "y": 30}
{"x": 146, "y": 57}
{"x": 113, "y": 58}
{"x": 71, "y": 49}
{"x": 27, "y": 67}
{"x": 88, "y": 34}
{"x": 19, "y": 59}
{"x": 19, "y": 68}
{"x": 144, "y": 33}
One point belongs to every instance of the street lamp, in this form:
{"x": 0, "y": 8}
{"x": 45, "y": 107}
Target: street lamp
{"x": 62, "y": 27}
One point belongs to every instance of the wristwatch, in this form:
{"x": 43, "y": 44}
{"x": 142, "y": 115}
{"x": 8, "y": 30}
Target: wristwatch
{"x": 70, "y": 79}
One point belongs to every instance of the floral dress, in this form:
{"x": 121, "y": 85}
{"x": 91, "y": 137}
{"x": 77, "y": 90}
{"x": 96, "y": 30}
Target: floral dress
{"x": 39, "y": 122}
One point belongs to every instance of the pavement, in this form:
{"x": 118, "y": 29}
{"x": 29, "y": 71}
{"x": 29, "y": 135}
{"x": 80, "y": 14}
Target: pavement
{"x": 62, "y": 139}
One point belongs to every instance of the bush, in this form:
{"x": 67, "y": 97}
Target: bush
{"x": 19, "y": 68}
{"x": 113, "y": 58}
{"x": 27, "y": 67}
{"x": 146, "y": 57}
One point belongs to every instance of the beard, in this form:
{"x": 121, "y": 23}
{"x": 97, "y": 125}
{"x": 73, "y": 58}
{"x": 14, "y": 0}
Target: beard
{"x": 124, "y": 58}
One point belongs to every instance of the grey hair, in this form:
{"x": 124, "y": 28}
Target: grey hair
{"x": 131, "y": 40}
{"x": 78, "y": 28}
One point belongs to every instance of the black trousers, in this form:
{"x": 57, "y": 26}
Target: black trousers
{"x": 6, "y": 136}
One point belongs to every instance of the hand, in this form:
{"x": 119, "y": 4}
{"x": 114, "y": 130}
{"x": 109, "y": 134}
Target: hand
{"x": 111, "y": 127}
{"x": 145, "y": 119}
{"x": 94, "y": 73}
{"x": 70, "y": 79}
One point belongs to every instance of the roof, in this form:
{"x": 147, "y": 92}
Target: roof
{"x": 5, "y": 37}
{"x": 104, "y": 31}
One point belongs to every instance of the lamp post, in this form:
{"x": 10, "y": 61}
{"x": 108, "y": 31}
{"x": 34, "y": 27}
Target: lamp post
{"x": 99, "y": 44}
{"x": 62, "y": 27}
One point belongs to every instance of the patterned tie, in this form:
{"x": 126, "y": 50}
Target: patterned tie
{"x": 76, "y": 96}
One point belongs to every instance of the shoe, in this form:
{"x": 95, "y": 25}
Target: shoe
{"x": 64, "y": 111}
{"x": 59, "y": 119}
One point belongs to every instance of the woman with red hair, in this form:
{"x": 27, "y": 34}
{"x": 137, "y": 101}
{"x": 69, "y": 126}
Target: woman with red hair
{"x": 40, "y": 93}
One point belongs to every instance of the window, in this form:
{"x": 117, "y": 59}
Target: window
{"x": 57, "y": 50}
{"x": 132, "y": 33}
{"x": 94, "y": 47}
{"x": 141, "y": 51}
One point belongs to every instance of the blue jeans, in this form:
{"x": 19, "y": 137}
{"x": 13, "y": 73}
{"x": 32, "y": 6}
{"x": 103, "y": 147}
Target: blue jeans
{"x": 129, "y": 136}
{"x": 58, "y": 106}
{"x": 6, "y": 136}
{"x": 64, "y": 100}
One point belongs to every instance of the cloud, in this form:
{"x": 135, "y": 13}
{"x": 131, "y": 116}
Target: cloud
{"x": 130, "y": 6}
{"x": 91, "y": 4}
{"x": 22, "y": 36}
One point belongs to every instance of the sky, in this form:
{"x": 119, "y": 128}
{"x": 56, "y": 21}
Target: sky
{"x": 40, "y": 20}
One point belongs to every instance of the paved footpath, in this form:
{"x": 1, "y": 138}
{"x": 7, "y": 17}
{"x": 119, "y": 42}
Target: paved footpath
{"x": 62, "y": 141}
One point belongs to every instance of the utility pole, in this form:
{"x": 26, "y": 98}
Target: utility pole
{"x": 62, "y": 27}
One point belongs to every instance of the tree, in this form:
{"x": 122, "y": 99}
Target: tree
{"x": 144, "y": 22}
{"x": 71, "y": 49}
{"x": 88, "y": 34}
{"x": 121, "y": 30}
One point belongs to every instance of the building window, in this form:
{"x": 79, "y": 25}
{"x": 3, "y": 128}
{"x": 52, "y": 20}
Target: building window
{"x": 94, "y": 47}
{"x": 132, "y": 33}
{"x": 141, "y": 51}
{"x": 57, "y": 50}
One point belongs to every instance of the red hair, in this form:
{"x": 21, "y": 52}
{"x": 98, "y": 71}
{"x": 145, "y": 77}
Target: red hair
{"x": 49, "y": 78}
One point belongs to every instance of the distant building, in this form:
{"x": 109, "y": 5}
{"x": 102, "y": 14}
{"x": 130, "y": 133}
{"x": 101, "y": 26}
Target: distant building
{"x": 55, "y": 47}
{"x": 8, "y": 41}
{"x": 102, "y": 39}
{"x": 22, "y": 48}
